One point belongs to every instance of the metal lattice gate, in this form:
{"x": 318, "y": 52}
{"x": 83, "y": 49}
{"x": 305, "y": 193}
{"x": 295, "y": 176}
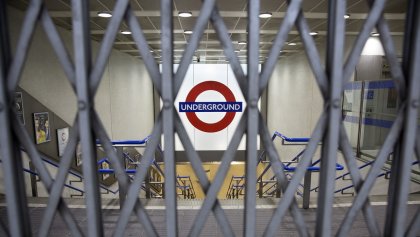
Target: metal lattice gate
{"x": 403, "y": 138}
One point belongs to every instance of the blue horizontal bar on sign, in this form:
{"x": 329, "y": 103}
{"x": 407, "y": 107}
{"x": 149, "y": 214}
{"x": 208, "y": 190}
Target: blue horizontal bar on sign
{"x": 292, "y": 139}
{"x": 210, "y": 106}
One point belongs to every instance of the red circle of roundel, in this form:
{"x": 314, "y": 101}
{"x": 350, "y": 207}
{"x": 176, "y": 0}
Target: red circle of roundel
{"x": 207, "y": 86}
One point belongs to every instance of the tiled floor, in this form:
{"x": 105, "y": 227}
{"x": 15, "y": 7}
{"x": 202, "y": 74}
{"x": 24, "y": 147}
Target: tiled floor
{"x": 189, "y": 209}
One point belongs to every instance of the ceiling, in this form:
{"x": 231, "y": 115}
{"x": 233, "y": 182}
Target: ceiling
{"x": 234, "y": 15}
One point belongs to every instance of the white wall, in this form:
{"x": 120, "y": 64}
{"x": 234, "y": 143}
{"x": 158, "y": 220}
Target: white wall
{"x": 125, "y": 97}
{"x": 124, "y": 100}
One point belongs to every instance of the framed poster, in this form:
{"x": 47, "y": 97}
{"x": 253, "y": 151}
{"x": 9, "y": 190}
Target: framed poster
{"x": 62, "y": 140}
{"x": 79, "y": 155}
{"x": 19, "y": 107}
{"x": 105, "y": 166}
{"x": 42, "y": 127}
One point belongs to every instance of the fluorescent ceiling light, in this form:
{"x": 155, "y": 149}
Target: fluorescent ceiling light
{"x": 346, "y": 16}
{"x": 242, "y": 42}
{"x": 184, "y": 14}
{"x": 265, "y": 15}
{"x": 291, "y": 44}
{"x": 104, "y": 14}
{"x": 126, "y": 32}
{"x": 313, "y": 33}
{"x": 188, "y": 32}
{"x": 374, "y": 34}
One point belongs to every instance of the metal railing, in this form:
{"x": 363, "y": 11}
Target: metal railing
{"x": 329, "y": 130}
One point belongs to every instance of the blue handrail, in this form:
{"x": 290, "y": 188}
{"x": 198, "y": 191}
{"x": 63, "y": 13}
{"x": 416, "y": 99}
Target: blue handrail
{"x": 66, "y": 185}
{"x": 70, "y": 172}
{"x": 128, "y": 142}
{"x": 380, "y": 175}
{"x": 291, "y": 139}
{"x": 312, "y": 168}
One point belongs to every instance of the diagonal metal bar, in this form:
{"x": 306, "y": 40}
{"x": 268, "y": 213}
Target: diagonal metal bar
{"x": 106, "y": 46}
{"x": 418, "y": 145}
{"x": 121, "y": 175}
{"x": 229, "y": 50}
{"x": 57, "y": 187}
{"x": 214, "y": 189}
{"x": 402, "y": 184}
{"x": 168, "y": 96}
{"x": 17, "y": 212}
{"x": 45, "y": 176}
{"x": 414, "y": 227}
{"x": 306, "y": 160}
{"x": 362, "y": 196}
{"x": 199, "y": 27}
{"x": 252, "y": 118}
{"x": 143, "y": 47}
{"x": 141, "y": 172}
{"x": 281, "y": 37}
{"x": 22, "y": 47}
{"x": 374, "y": 15}
{"x": 357, "y": 181}
{"x": 202, "y": 177}
{"x": 334, "y": 69}
{"x": 408, "y": 32}
{"x": 312, "y": 55}
{"x": 3, "y": 229}
{"x": 61, "y": 52}
{"x": 80, "y": 18}
{"x": 278, "y": 167}
{"x": 391, "y": 56}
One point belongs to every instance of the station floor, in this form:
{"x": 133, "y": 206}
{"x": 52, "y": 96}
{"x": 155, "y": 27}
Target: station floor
{"x": 188, "y": 209}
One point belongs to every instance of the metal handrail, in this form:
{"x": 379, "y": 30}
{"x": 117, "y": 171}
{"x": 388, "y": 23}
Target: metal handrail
{"x": 380, "y": 175}
{"x": 186, "y": 187}
{"x": 261, "y": 155}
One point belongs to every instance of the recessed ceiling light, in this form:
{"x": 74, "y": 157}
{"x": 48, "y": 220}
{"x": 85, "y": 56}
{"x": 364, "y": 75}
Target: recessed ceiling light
{"x": 188, "y": 32}
{"x": 374, "y": 34}
{"x": 346, "y": 16}
{"x": 291, "y": 44}
{"x": 126, "y": 32}
{"x": 104, "y": 14}
{"x": 237, "y": 51}
{"x": 242, "y": 42}
{"x": 265, "y": 15}
{"x": 313, "y": 33}
{"x": 184, "y": 14}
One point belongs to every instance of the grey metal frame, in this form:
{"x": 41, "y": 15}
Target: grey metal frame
{"x": 85, "y": 76}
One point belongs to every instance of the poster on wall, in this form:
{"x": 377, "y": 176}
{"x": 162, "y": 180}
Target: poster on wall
{"x": 62, "y": 140}
{"x": 42, "y": 127}
{"x": 79, "y": 155}
{"x": 105, "y": 166}
{"x": 19, "y": 107}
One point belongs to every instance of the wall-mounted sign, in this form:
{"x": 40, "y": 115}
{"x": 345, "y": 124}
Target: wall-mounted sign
{"x": 230, "y": 106}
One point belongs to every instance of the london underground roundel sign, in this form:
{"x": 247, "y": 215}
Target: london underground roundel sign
{"x": 230, "y": 107}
